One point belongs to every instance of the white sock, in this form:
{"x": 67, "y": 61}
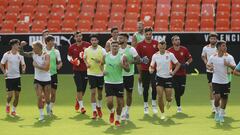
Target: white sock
{"x": 212, "y": 103}
{"x": 118, "y": 117}
{"x": 112, "y": 110}
{"x": 217, "y": 109}
{"x": 51, "y": 105}
{"x": 154, "y": 103}
{"x": 145, "y": 104}
{"x": 41, "y": 111}
{"x": 80, "y": 102}
{"x": 99, "y": 103}
{"x": 13, "y": 108}
{"x": 221, "y": 112}
{"x": 127, "y": 109}
{"x": 94, "y": 106}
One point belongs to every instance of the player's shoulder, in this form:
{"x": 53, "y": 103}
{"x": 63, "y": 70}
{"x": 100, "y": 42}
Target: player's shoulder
{"x": 85, "y": 43}
{"x": 7, "y": 53}
{"x": 170, "y": 49}
{"x": 183, "y": 47}
{"x": 228, "y": 55}
{"x": 207, "y": 46}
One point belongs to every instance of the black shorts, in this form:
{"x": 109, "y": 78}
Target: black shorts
{"x": 96, "y": 81}
{"x": 164, "y": 82}
{"x": 54, "y": 81}
{"x": 114, "y": 90}
{"x": 222, "y": 89}
{"x": 80, "y": 79}
{"x": 128, "y": 82}
{"x": 42, "y": 83}
{"x": 13, "y": 84}
{"x": 179, "y": 82}
{"x": 209, "y": 77}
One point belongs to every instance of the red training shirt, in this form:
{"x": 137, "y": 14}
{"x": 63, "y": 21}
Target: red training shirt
{"x": 77, "y": 52}
{"x": 147, "y": 49}
{"x": 182, "y": 56}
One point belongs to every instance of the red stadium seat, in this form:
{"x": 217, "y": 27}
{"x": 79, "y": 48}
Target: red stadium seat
{"x": 38, "y": 26}
{"x": 192, "y": 25}
{"x": 119, "y": 2}
{"x": 179, "y": 2}
{"x": 89, "y": 2}
{"x": 104, "y": 2}
{"x": 224, "y": 2}
{"x": 22, "y": 27}
{"x": 223, "y": 15}
{"x": 164, "y": 2}
{"x": 42, "y": 9}
{"x": 74, "y": 2}
{"x": 118, "y": 8}
{"x": 73, "y": 8}
{"x": 149, "y": 2}
{"x": 234, "y": 2}
{"x": 57, "y": 9}
{"x": 13, "y": 9}
{"x": 84, "y": 26}
{"x": 208, "y": 1}
{"x": 178, "y": 8}
{"x": 71, "y": 16}
{"x": 207, "y": 25}
{"x": 115, "y": 23}
{"x": 103, "y": 8}
{"x": 132, "y": 16}
{"x": 161, "y": 25}
{"x": 134, "y": 2}
{"x": 165, "y": 9}
{"x": 148, "y": 23}
{"x": 11, "y": 17}
{"x": 193, "y": 15}
{"x": 54, "y": 26}
{"x": 15, "y": 3}
{"x": 41, "y": 17}
{"x": 86, "y": 16}
{"x": 236, "y": 8}
{"x": 176, "y": 25}
{"x": 59, "y": 2}
{"x": 56, "y": 17}
{"x": 69, "y": 26}
{"x": 223, "y": 8}
{"x": 28, "y": 9}
{"x": 4, "y": 3}
{"x": 133, "y": 8}
{"x": 103, "y": 16}
{"x": 235, "y": 15}
{"x": 147, "y": 17}
{"x": 222, "y": 25}
{"x": 88, "y": 8}
{"x": 27, "y": 18}
{"x": 117, "y": 16}
{"x": 130, "y": 26}
{"x": 161, "y": 16}
{"x": 45, "y": 2}
{"x": 30, "y": 2}
{"x": 8, "y": 27}
{"x": 235, "y": 25}
{"x": 148, "y": 9}
{"x": 208, "y": 9}
{"x": 194, "y": 2}
{"x": 193, "y": 8}
{"x": 99, "y": 26}
{"x": 178, "y": 16}
{"x": 2, "y": 10}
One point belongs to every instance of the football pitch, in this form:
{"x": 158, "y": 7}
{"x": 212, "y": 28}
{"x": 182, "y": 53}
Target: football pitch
{"x": 196, "y": 118}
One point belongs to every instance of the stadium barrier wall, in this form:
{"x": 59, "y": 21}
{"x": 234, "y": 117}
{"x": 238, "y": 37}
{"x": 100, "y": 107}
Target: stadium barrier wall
{"x": 193, "y": 41}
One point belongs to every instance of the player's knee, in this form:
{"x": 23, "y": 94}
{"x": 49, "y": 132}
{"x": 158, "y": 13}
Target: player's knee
{"x": 224, "y": 96}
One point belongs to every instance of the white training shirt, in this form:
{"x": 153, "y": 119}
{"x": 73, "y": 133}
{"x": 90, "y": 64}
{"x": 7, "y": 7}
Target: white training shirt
{"x": 12, "y": 63}
{"x": 207, "y": 52}
{"x": 163, "y": 63}
{"x": 133, "y": 51}
{"x": 39, "y": 74}
{"x": 220, "y": 71}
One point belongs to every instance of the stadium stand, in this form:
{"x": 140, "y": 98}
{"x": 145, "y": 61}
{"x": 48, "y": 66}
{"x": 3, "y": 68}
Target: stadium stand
{"x": 87, "y": 15}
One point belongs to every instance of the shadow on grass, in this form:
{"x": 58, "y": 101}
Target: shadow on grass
{"x": 97, "y": 123}
{"x": 11, "y": 118}
{"x": 125, "y": 128}
{"x": 151, "y": 119}
{"x": 167, "y": 122}
{"x": 44, "y": 123}
{"x": 226, "y": 126}
{"x": 181, "y": 116}
{"x": 80, "y": 117}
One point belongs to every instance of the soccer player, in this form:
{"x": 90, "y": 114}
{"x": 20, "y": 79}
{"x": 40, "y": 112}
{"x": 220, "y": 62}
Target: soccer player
{"x": 162, "y": 61}
{"x": 75, "y": 56}
{"x": 219, "y": 64}
{"x": 55, "y": 64}
{"x": 93, "y": 57}
{"x": 179, "y": 79}
{"x": 45, "y": 33}
{"x": 114, "y": 62}
{"x": 139, "y": 35}
{"x": 147, "y": 48}
{"x": 128, "y": 77}
{"x": 10, "y": 67}
{"x": 237, "y": 70}
{"x": 114, "y": 34}
{"x": 42, "y": 76}
{"x": 207, "y": 51}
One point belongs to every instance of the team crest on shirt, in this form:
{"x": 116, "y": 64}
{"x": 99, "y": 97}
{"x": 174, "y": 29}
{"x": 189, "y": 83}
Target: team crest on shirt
{"x": 181, "y": 53}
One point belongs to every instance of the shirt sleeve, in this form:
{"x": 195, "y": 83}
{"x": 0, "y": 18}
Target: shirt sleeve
{"x": 232, "y": 61}
{"x": 173, "y": 58}
{"x": 4, "y": 59}
{"x": 153, "y": 61}
{"x": 104, "y": 52}
{"x": 134, "y": 52}
{"x": 85, "y": 53}
{"x": 188, "y": 55}
{"x": 70, "y": 53}
{"x": 22, "y": 60}
{"x": 138, "y": 49}
{"x": 58, "y": 55}
{"x": 204, "y": 51}
{"x": 210, "y": 60}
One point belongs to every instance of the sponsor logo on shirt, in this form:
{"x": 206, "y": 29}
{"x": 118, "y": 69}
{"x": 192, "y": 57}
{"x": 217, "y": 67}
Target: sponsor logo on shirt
{"x": 181, "y": 53}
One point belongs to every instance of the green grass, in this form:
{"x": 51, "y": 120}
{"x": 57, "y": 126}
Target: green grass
{"x": 196, "y": 119}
